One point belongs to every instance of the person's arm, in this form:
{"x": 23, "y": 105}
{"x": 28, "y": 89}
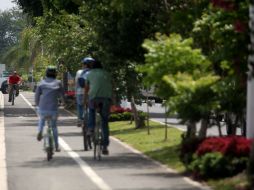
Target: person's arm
{"x": 37, "y": 95}
{"x": 86, "y": 90}
{"x": 8, "y": 80}
{"x": 20, "y": 80}
{"x": 61, "y": 93}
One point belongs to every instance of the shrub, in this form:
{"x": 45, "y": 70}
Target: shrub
{"x": 120, "y": 116}
{"x": 187, "y": 148}
{"x": 229, "y": 145}
{"x": 215, "y": 157}
{"x": 217, "y": 165}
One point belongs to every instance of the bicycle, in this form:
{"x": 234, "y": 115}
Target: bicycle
{"x": 49, "y": 139}
{"x": 97, "y": 135}
{"x": 14, "y": 92}
{"x": 86, "y": 138}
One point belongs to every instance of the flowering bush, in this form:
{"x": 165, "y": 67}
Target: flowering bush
{"x": 229, "y": 145}
{"x": 224, "y": 4}
{"x": 119, "y": 109}
{"x": 218, "y": 156}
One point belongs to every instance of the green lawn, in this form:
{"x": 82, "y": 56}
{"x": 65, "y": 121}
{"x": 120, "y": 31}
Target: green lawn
{"x": 164, "y": 151}
{"x": 153, "y": 145}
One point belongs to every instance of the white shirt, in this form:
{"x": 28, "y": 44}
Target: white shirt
{"x": 79, "y": 89}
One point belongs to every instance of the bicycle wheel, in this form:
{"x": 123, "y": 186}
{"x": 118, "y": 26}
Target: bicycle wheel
{"x": 97, "y": 139}
{"x": 97, "y": 150}
{"x": 50, "y": 149}
{"x": 85, "y": 139}
{"x": 13, "y": 97}
{"x": 49, "y": 154}
{"x": 49, "y": 140}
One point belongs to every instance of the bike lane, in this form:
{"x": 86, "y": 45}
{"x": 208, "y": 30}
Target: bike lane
{"x": 72, "y": 168}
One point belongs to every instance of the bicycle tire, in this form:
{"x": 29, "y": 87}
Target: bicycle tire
{"x": 49, "y": 153}
{"x": 85, "y": 140}
{"x": 97, "y": 151}
{"x": 13, "y": 97}
{"x": 50, "y": 149}
{"x": 97, "y": 139}
{"x": 49, "y": 142}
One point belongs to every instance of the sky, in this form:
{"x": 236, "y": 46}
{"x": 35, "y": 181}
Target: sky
{"x": 6, "y": 4}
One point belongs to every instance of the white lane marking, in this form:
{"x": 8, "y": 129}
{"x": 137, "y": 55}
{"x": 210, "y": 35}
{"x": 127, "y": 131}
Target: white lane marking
{"x": 27, "y": 102}
{"x": 3, "y": 169}
{"x": 97, "y": 180}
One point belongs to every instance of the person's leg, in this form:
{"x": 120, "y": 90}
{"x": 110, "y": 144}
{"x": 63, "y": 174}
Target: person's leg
{"x": 104, "y": 123}
{"x": 91, "y": 116}
{"x": 41, "y": 125}
{"x": 17, "y": 90}
{"x": 80, "y": 108}
{"x": 55, "y": 131}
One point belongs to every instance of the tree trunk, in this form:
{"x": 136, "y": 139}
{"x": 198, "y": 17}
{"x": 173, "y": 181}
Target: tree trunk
{"x": 191, "y": 129}
{"x": 138, "y": 121}
{"x": 203, "y": 129}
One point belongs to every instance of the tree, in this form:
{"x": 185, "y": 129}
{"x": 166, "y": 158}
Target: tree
{"x": 222, "y": 33}
{"x": 12, "y": 23}
{"x": 182, "y": 76}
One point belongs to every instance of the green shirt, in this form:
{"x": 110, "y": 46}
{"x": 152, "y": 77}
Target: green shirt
{"x": 99, "y": 82}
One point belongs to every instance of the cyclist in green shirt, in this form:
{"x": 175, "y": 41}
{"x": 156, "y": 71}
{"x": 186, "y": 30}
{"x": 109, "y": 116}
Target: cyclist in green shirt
{"x": 98, "y": 89}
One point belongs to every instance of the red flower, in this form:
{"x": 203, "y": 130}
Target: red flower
{"x": 239, "y": 26}
{"x": 224, "y": 4}
{"x": 119, "y": 109}
{"x": 69, "y": 93}
{"x": 230, "y": 145}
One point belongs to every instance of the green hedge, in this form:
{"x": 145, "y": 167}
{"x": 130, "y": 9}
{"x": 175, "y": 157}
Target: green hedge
{"x": 125, "y": 116}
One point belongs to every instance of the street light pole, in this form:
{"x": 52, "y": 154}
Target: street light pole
{"x": 250, "y": 82}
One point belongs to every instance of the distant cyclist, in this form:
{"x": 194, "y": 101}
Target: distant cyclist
{"x": 47, "y": 97}
{"x": 99, "y": 91}
{"x": 79, "y": 87}
{"x": 13, "y": 79}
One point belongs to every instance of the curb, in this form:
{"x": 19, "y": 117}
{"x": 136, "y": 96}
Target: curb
{"x": 3, "y": 170}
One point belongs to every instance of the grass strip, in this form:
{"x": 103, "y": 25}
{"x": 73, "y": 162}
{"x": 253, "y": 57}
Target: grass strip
{"x": 153, "y": 145}
{"x": 165, "y": 151}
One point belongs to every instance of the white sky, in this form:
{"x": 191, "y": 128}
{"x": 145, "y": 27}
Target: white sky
{"x": 6, "y": 4}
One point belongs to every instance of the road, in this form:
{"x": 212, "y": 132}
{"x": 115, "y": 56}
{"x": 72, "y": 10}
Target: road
{"x": 157, "y": 113}
{"x": 24, "y": 162}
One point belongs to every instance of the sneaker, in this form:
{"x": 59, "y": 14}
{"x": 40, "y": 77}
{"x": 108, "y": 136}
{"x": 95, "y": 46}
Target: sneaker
{"x": 105, "y": 150}
{"x": 39, "y": 136}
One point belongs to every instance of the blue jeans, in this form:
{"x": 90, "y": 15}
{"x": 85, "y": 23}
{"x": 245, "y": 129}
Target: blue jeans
{"x": 104, "y": 117}
{"x": 41, "y": 124}
{"x": 80, "y": 106}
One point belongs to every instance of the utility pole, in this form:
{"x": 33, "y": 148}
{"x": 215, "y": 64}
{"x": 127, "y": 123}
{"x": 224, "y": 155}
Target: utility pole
{"x": 250, "y": 82}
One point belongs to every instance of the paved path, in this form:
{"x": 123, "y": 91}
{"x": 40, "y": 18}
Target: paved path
{"x": 72, "y": 168}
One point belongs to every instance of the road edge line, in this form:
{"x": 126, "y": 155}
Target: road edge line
{"x": 3, "y": 166}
